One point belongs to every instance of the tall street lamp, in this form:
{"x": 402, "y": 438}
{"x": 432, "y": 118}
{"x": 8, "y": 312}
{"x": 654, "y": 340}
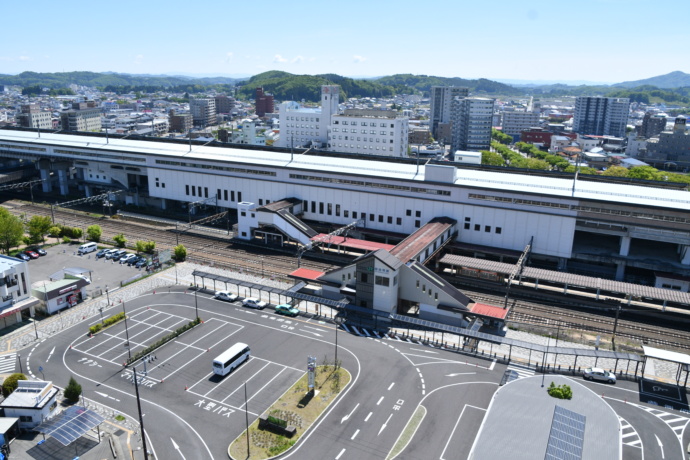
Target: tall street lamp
{"x": 543, "y": 364}
{"x": 129, "y": 351}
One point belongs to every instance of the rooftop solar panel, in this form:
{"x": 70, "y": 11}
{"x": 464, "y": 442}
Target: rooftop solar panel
{"x": 567, "y": 435}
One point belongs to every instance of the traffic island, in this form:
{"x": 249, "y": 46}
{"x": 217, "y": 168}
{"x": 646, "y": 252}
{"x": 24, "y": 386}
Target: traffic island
{"x": 281, "y": 426}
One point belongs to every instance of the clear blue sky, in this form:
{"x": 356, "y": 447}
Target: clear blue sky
{"x": 595, "y": 40}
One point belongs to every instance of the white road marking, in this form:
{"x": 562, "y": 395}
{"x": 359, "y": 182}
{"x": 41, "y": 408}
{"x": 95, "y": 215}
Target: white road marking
{"x": 383, "y": 427}
{"x": 391, "y": 386}
{"x": 424, "y": 351}
{"x": 661, "y": 446}
{"x": 340, "y": 454}
{"x": 367, "y": 418}
{"x": 493, "y": 363}
{"x": 315, "y": 333}
{"x": 320, "y": 329}
{"x": 354, "y": 435}
{"x": 455, "y": 428}
{"x": 177, "y": 448}
{"x": 379, "y": 402}
{"x": 460, "y": 373}
{"x": 50, "y": 354}
{"x": 347, "y": 417}
{"x": 106, "y": 396}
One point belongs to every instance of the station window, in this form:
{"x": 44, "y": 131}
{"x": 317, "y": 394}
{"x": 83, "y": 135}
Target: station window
{"x": 395, "y": 280}
{"x": 398, "y": 221}
{"x": 320, "y": 207}
{"x": 363, "y": 278}
{"x": 205, "y": 192}
{"x": 467, "y": 225}
{"x": 330, "y": 209}
{"x": 239, "y": 196}
{"x": 218, "y": 194}
{"x": 193, "y": 190}
{"x": 346, "y": 213}
{"x": 417, "y": 223}
{"x": 372, "y": 217}
{"x": 232, "y": 195}
{"x": 261, "y": 202}
{"x": 225, "y": 195}
{"x": 417, "y": 284}
{"x": 487, "y": 228}
{"x": 313, "y": 207}
{"x": 186, "y": 189}
{"x": 380, "y": 218}
{"x": 337, "y": 210}
{"x": 408, "y": 213}
{"x": 243, "y": 214}
{"x": 418, "y": 213}
{"x": 499, "y": 230}
{"x": 354, "y": 214}
{"x": 477, "y": 227}
{"x": 390, "y": 219}
{"x": 423, "y": 287}
{"x": 382, "y": 281}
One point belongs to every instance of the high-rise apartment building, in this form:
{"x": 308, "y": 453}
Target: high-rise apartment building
{"x": 601, "y": 116}
{"x": 652, "y": 125}
{"x": 180, "y": 123}
{"x": 671, "y": 148}
{"x": 31, "y": 116}
{"x": 515, "y": 123}
{"x": 224, "y": 104}
{"x": 471, "y": 119}
{"x": 441, "y": 100}
{"x": 264, "y": 103}
{"x": 83, "y": 116}
{"x": 203, "y": 111}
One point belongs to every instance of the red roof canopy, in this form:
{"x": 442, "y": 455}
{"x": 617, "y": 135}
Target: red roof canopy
{"x": 353, "y": 243}
{"x": 489, "y": 310}
{"x": 305, "y": 273}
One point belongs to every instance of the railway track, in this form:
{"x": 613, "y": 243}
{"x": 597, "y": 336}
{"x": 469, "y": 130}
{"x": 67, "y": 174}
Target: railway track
{"x": 220, "y": 250}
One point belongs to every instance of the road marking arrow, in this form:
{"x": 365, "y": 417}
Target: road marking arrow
{"x": 315, "y": 333}
{"x": 177, "y": 448}
{"x": 342, "y": 420}
{"x": 460, "y": 373}
{"x": 383, "y": 427}
{"x": 661, "y": 446}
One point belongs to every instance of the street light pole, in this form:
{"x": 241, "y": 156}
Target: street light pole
{"x": 543, "y": 364}
{"x": 35, "y": 328}
{"x": 615, "y": 326}
{"x": 19, "y": 357}
{"x": 141, "y": 417}
{"x": 107, "y": 295}
{"x": 129, "y": 351}
{"x": 196, "y": 302}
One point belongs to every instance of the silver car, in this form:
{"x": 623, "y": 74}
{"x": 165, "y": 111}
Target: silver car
{"x": 596, "y": 373}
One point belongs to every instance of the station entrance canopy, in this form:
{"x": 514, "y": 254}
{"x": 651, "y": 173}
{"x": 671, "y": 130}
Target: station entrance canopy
{"x": 71, "y": 424}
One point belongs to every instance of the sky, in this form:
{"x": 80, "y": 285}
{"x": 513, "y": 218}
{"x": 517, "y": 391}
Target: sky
{"x": 588, "y": 40}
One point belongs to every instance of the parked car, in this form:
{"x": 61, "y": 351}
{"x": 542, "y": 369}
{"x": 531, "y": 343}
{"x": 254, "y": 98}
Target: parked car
{"x": 225, "y": 295}
{"x": 23, "y": 256}
{"x": 32, "y": 254}
{"x": 254, "y": 303}
{"x": 287, "y": 310}
{"x": 111, "y": 253}
{"x": 102, "y": 253}
{"x": 596, "y": 373}
{"x": 125, "y": 258}
{"x": 119, "y": 255}
{"x": 133, "y": 260}
{"x": 141, "y": 262}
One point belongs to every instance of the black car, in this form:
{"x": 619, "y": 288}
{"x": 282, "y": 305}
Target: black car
{"x": 101, "y": 253}
{"x": 23, "y": 256}
{"x": 141, "y": 262}
{"x": 133, "y": 260}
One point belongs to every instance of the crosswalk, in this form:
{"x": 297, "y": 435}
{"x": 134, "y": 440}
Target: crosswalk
{"x": 364, "y": 332}
{"x": 8, "y": 363}
{"x": 521, "y": 371}
{"x": 629, "y": 435}
{"x": 674, "y": 421}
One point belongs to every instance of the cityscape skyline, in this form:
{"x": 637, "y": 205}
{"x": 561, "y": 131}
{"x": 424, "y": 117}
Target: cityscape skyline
{"x": 536, "y": 41}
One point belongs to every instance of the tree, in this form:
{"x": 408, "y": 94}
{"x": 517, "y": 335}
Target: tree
{"x": 55, "y": 231}
{"x": 616, "y": 171}
{"x": 139, "y": 246}
{"x": 10, "y": 383}
{"x": 94, "y": 233}
{"x": 180, "y": 253}
{"x": 38, "y": 227}
{"x": 120, "y": 240}
{"x": 493, "y": 159}
{"x": 11, "y": 230}
{"x": 72, "y": 391}
{"x": 77, "y": 233}
{"x": 644, "y": 172}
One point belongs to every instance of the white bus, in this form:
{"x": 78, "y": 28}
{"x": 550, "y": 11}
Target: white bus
{"x": 231, "y": 358}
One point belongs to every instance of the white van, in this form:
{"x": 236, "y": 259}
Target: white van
{"x": 87, "y": 247}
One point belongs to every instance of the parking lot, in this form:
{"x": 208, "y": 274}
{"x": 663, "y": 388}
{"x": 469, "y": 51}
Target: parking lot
{"x": 103, "y": 273}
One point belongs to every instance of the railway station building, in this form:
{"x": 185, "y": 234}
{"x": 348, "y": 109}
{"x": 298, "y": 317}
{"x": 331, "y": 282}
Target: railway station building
{"x": 615, "y": 230}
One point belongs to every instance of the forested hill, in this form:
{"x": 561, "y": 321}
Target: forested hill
{"x": 102, "y": 80}
{"x": 423, "y": 83}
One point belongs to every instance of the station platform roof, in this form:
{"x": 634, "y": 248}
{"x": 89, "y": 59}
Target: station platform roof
{"x": 306, "y": 274}
{"x": 352, "y": 243}
{"x": 416, "y": 243}
{"x": 489, "y": 311}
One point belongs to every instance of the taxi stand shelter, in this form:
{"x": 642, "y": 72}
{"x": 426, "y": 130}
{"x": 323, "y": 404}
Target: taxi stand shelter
{"x": 681, "y": 359}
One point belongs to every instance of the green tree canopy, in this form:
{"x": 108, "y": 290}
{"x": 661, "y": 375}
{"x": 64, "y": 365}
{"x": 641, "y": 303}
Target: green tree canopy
{"x": 180, "y": 253}
{"x": 120, "y": 240}
{"x": 94, "y": 233}
{"x": 11, "y": 230}
{"x": 38, "y": 227}
{"x": 10, "y": 383}
{"x": 72, "y": 391}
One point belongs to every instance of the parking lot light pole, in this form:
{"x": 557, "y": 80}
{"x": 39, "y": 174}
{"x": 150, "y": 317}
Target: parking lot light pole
{"x": 543, "y": 364}
{"x": 196, "y": 302}
{"x": 141, "y": 417}
{"x": 35, "y": 328}
{"x": 107, "y": 295}
{"x": 129, "y": 351}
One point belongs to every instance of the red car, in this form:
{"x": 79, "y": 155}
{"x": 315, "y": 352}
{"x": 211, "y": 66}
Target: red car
{"x": 32, "y": 254}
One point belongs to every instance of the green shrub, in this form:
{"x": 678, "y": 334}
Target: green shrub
{"x": 95, "y": 328}
{"x": 560, "y": 391}
{"x": 72, "y": 391}
{"x": 277, "y": 421}
{"x": 164, "y": 340}
{"x": 10, "y": 383}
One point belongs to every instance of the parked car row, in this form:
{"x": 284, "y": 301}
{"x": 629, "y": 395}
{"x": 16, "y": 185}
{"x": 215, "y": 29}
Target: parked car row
{"x": 124, "y": 257}
{"x": 30, "y": 254}
{"x": 250, "y": 302}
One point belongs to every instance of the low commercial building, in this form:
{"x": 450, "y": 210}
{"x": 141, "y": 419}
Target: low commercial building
{"x": 32, "y": 402}
{"x": 14, "y": 290}
{"x": 64, "y": 293}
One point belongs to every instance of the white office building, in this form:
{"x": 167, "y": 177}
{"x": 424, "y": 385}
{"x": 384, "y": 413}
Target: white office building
{"x": 472, "y": 120}
{"x": 308, "y": 126}
{"x": 369, "y": 132}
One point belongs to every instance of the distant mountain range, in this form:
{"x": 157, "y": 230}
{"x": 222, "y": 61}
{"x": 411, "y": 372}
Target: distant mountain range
{"x": 675, "y": 79}
{"x": 671, "y": 88}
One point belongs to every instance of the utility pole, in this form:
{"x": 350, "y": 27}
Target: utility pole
{"x": 615, "y": 326}
{"x": 141, "y": 417}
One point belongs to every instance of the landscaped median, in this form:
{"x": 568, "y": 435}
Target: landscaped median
{"x": 106, "y": 323}
{"x": 173, "y": 335}
{"x": 279, "y": 428}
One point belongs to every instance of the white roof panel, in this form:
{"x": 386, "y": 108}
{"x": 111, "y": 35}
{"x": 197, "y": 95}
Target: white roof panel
{"x": 665, "y": 355}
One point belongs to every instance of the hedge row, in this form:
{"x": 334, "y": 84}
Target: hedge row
{"x": 164, "y": 340}
{"x": 108, "y": 322}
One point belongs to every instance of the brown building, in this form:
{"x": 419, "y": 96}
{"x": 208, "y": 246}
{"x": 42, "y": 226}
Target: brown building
{"x": 421, "y": 136}
{"x": 542, "y": 136}
{"x": 264, "y": 103}
{"x": 181, "y": 123}
{"x": 224, "y": 104}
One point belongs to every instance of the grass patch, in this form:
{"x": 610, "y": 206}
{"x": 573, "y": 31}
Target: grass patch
{"x": 120, "y": 418}
{"x": 408, "y": 432}
{"x": 297, "y": 408}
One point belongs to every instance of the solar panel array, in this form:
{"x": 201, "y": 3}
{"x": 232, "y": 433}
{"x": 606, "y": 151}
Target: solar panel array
{"x": 567, "y": 435}
{"x": 71, "y": 424}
